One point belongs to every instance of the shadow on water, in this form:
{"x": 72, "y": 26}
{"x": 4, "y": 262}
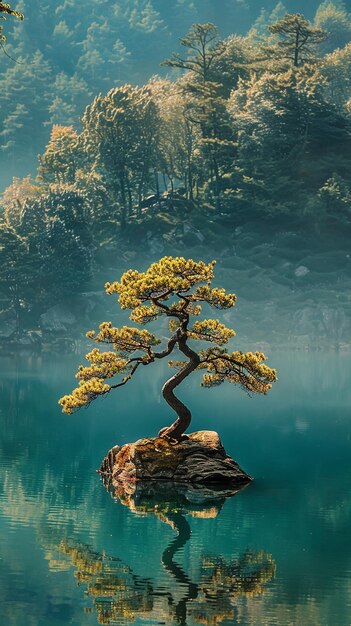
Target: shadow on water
{"x": 120, "y": 596}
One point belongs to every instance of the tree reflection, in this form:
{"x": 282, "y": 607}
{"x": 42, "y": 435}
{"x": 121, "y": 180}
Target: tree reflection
{"x": 120, "y": 596}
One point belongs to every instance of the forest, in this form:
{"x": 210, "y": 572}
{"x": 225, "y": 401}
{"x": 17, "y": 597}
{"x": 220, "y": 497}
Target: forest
{"x": 238, "y": 144}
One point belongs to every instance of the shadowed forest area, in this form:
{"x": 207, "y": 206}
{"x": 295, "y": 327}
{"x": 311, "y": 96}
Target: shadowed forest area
{"x": 237, "y": 147}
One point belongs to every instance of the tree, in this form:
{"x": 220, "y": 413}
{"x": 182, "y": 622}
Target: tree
{"x": 298, "y": 38}
{"x": 178, "y": 135}
{"x": 206, "y": 106}
{"x": 120, "y": 134}
{"x": 24, "y": 97}
{"x": 70, "y": 95}
{"x": 336, "y": 71}
{"x": 259, "y": 28}
{"x": 174, "y": 288}
{"x": 237, "y": 60}
{"x": 62, "y": 157}
{"x": 15, "y": 272}
{"x": 202, "y": 48}
{"x": 289, "y": 136}
{"x": 336, "y": 22}
{"x": 14, "y": 197}
{"x": 44, "y": 251}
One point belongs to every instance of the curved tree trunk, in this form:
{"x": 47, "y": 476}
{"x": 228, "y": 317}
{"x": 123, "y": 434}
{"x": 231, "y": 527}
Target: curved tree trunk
{"x": 176, "y": 430}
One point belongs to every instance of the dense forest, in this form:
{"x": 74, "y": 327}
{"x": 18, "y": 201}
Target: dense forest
{"x": 246, "y": 136}
{"x": 67, "y": 54}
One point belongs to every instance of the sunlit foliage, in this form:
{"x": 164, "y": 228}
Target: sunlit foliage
{"x": 245, "y": 127}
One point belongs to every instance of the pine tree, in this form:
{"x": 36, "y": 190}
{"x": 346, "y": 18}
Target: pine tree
{"x": 175, "y": 288}
{"x": 336, "y": 22}
{"x": 120, "y": 135}
{"x": 298, "y": 39}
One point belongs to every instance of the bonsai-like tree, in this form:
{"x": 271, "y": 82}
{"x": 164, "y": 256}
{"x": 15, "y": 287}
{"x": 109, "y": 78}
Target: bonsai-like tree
{"x": 175, "y": 288}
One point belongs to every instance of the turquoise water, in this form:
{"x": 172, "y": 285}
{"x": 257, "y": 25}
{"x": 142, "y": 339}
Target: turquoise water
{"x": 277, "y": 553}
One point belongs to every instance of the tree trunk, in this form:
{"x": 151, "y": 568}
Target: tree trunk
{"x": 123, "y": 208}
{"x": 157, "y": 187}
{"x": 296, "y": 50}
{"x": 179, "y": 426}
{"x": 130, "y": 199}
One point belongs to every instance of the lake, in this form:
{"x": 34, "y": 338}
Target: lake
{"x": 277, "y": 553}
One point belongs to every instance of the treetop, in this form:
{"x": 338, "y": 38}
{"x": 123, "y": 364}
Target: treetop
{"x": 171, "y": 276}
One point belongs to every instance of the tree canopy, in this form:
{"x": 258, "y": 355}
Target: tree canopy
{"x": 244, "y": 128}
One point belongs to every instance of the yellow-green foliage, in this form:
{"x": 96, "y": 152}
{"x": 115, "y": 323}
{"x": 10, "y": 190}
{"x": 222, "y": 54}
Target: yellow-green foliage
{"x": 87, "y": 391}
{"x": 247, "y": 370}
{"x": 103, "y": 365}
{"x": 211, "y": 330}
{"x": 124, "y": 339}
{"x": 168, "y": 276}
{"x": 172, "y": 287}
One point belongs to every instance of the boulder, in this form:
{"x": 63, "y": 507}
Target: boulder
{"x": 199, "y": 458}
{"x": 301, "y": 271}
{"x": 57, "y": 319}
{"x": 162, "y": 497}
{"x": 7, "y": 328}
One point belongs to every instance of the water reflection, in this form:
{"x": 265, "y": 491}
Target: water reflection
{"x": 297, "y": 444}
{"x": 120, "y": 596}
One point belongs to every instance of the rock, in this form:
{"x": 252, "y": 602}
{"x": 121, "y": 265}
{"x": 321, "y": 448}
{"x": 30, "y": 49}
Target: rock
{"x": 129, "y": 255}
{"x": 57, "y": 318}
{"x": 7, "y": 328}
{"x": 30, "y": 338}
{"x": 161, "y": 498}
{"x": 155, "y": 246}
{"x": 301, "y": 271}
{"x": 321, "y": 321}
{"x": 200, "y": 459}
{"x": 189, "y": 229}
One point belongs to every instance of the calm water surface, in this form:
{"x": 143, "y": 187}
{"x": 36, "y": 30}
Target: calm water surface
{"x": 277, "y": 553}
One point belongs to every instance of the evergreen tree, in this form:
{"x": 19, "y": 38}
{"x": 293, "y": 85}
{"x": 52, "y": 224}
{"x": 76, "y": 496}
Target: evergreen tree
{"x": 298, "y": 39}
{"x": 178, "y": 137}
{"x": 202, "y": 47}
{"x": 288, "y": 136}
{"x": 120, "y": 134}
{"x": 336, "y": 22}
{"x": 176, "y": 288}
{"x": 25, "y": 96}
{"x": 16, "y": 273}
{"x": 336, "y": 71}
{"x": 69, "y": 97}
{"x": 14, "y": 197}
{"x": 206, "y": 106}
{"x": 62, "y": 157}
{"x": 45, "y": 256}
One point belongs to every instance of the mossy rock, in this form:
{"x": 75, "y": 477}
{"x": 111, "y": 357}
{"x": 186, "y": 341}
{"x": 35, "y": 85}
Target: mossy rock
{"x": 198, "y": 458}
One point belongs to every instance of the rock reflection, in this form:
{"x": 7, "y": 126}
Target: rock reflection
{"x": 120, "y": 596}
